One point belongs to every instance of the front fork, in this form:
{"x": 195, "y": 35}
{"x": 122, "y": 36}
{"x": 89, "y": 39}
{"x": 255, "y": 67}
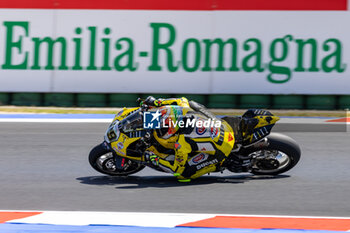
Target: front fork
{"x": 119, "y": 161}
{"x": 107, "y": 146}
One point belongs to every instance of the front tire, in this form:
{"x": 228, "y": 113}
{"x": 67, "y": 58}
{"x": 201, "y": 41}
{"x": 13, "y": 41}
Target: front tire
{"x": 286, "y": 152}
{"x": 102, "y": 160}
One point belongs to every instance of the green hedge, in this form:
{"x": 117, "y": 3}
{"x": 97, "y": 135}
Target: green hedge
{"x": 288, "y": 102}
{"x": 122, "y": 100}
{"x": 4, "y": 98}
{"x": 59, "y": 99}
{"x": 344, "y": 102}
{"x": 26, "y": 99}
{"x": 91, "y": 100}
{"x": 255, "y": 101}
{"x": 222, "y": 101}
{"x": 320, "y": 102}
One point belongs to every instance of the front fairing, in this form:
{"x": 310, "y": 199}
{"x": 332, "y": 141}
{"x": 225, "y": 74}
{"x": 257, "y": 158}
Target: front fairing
{"x": 125, "y": 129}
{"x": 122, "y": 144}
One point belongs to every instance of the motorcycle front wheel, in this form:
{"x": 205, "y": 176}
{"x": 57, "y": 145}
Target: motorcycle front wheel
{"x": 280, "y": 155}
{"x": 103, "y": 161}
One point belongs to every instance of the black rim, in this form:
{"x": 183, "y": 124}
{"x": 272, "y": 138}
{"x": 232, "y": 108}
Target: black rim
{"x": 106, "y": 164}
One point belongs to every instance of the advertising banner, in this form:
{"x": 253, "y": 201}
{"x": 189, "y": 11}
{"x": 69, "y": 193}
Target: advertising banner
{"x": 197, "y": 47}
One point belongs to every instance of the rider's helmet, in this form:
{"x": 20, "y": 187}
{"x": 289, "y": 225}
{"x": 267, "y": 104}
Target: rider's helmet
{"x": 127, "y": 134}
{"x": 170, "y": 116}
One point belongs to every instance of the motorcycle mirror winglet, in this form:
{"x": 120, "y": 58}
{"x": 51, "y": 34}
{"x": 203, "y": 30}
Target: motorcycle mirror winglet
{"x": 144, "y": 107}
{"x": 139, "y": 100}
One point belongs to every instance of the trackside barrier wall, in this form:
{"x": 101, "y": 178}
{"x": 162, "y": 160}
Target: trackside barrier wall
{"x": 202, "y": 47}
{"x": 222, "y": 101}
{"x": 91, "y": 100}
{"x": 255, "y": 101}
{"x": 344, "y": 102}
{"x": 59, "y": 100}
{"x": 33, "y": 99}
{"x": 224, "y": 54}
{"x": 288, "y": 101}
{"x": 325, "y": 102}
{"x": 122, "y": 100}
{"x": 4, "y": 99}
{"x": 320, "y": 102}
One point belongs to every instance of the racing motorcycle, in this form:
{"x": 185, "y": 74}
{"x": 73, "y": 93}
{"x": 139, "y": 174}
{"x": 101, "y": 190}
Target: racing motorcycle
{"x": 256, "y": 149}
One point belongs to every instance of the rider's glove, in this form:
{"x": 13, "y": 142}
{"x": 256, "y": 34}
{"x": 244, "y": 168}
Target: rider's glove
{"x": 151, "y": 101}
{"x": 142, "y": 104}
{"x": 151, "y": 157}
{"x": 139, "y": 101}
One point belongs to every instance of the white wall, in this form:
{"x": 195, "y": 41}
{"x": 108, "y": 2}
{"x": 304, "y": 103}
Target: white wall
{"x": 191, "y": 31}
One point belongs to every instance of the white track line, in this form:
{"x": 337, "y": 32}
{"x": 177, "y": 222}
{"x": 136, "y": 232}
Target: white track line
{"x": 143, "y": 219}
{"x": 112, "y": 218}
{"x": 173, "y": 213}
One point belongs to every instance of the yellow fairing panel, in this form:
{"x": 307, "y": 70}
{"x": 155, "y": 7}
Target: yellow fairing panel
{"x": 167, "y": 143}
{"x": 120, "y": 146}
{"x": 266, "y": 120}
{"x": 182, "y": 102}
{"x": 125, "y": 111}
{"x": 154, "y": 150}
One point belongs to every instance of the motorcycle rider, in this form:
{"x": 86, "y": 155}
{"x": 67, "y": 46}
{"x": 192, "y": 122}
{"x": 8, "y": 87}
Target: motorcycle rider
{"x": 198, "y": 150}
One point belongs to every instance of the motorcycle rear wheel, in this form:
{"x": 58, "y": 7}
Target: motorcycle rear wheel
{"x": 284, "y": 150}
{"x": 102, "y": 160}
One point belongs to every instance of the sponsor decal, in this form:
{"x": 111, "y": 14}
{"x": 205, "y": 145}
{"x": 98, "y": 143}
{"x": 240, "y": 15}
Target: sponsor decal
{"x": 177, "y": 146}
{"x": 205, "y": 147}
{"x": 214, "y": 132}
{"x": 118, "y": 151}
{"x": 276, "y": 60}
{"x": 179, "y": 160}
{"x": 198, "y": 159}
{"x": 120, "y": 145}
{"x": 201, "y": 131}
{"x": 214, "y": 161}
{"x": 230, "y": 137}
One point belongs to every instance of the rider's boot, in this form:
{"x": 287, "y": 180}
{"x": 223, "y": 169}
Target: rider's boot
{"x": 152, "y": 158}
{"x": 181, "y": 178}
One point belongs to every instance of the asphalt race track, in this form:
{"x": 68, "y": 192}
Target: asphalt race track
{"x": 43, "y": 166}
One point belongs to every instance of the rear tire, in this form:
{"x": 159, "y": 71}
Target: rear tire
{"x": 99, "y": 156}
{"x": 286, "y": 145}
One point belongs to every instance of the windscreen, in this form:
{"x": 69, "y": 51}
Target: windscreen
{"x": 132, "y": 122}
